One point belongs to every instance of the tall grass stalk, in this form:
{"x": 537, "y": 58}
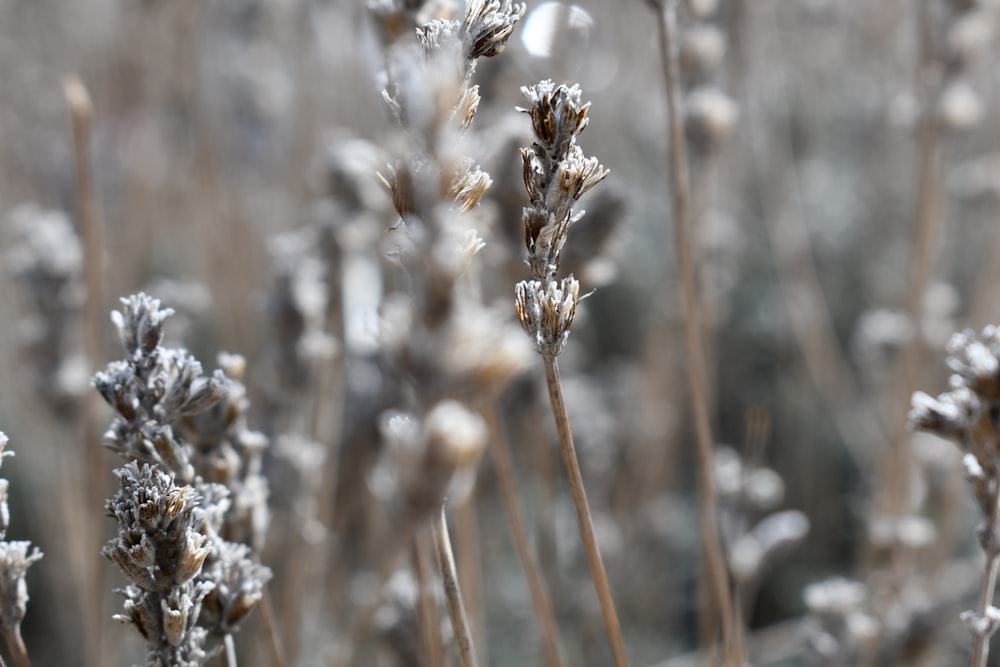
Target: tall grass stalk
{"x": 503, "y": 464}
{"x": 583, "y": 516}
{"x": 896, "y": 465}
{"x": 428, "y": 612}
{"x": 271, "y": 640}
{"x": 680, "y": 188}
{"x": 92, "y": 231}
{"x": 15, "y": 646}
{"x": 470, "y": 573}
{"x": 452, "y": 592}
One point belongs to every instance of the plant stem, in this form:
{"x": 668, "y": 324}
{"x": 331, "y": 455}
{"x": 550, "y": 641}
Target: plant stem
{"x": 468, "y": 561}
{"x": 90, "y": 228}
{"x": 452, "y": 592}
{"x": 572, "y": 465}
{"x": 230, "y": 653}
{"x": 270, "y": 629}
{"x": 680, "y": 187}
{"x": 897, "y": 462}
{"x": 15, "y": 645}
{"x": 427, "y": 609}
{"x": 504, "y": 465}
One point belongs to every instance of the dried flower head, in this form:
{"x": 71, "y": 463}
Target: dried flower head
{"x": 239, "y": 586}
{"x": 488, "y": 25}
{"x": 160, "y": 550}
{"x": 546, "y": 311}
{"x": 556, "y": 172}
{"x": 15, "y": 560}
{"x": 46, "y": 257}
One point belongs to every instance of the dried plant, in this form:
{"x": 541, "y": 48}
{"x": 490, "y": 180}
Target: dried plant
{"x": 46, "y": 257}
{"x": 15, "y": 559}
{"x": 335, "y": 190}
{"x": 556, "y": 175}
{"x": 966, "y": 415}
{"x": 200, "y": 485}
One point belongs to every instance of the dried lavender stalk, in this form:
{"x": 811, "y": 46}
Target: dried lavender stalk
{"x": 446, "y": 346}
{"x": 556, "y": 175}
{"x": 160, "y": 548}
{"x": 449, "y": 577}
{"x": 200, "y": 477}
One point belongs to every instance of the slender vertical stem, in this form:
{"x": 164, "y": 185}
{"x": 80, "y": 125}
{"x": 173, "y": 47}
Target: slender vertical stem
{"x": 81, "y": 114}
{"x": 428, "y": 610}
{"x": 230, "y": 652}
{"x": 575, "y": 478}
{"x": 504, "y": 465}
{"x": 452, "y": 592}
{"x": 981, "y": 642}
{"x": 15, "y": 645}
{"x": 273, "y": 641}
{"x": 468, "y": 559}
{"x": 680, "y": 187}
{"x": 897, "y": 461}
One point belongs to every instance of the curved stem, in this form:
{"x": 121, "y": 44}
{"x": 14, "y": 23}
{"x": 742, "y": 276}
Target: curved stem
{"x": 452, "y": 592}
{"x": 15, "y": 645}
{"x": 575, "y": 478}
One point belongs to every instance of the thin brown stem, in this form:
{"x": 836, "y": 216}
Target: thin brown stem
{"x": 503, "y": 464}
{"x": 468, "y": 559}
{"x": 452, "y": 592}
{"x": 15, "y": 646}
{"x": 575, "y": 478}
{"x": 896, "y": 464}
{"x": 680, "y": 187}
{"x": 91, "y": 229}
{"x": 433, "y": 651}
{"x": 272, "y": 640}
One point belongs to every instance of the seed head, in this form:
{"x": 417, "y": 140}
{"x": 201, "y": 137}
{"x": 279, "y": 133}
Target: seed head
{"x": 546, "y": 311}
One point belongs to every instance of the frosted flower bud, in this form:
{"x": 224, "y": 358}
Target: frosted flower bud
{"x": 702, "y": 48}
{"x": 975, "y": 361}
{"x": 488, "y": 25}
{"x": 949, "y": 415}
{"x": 140, "y": 323}
{"x": 546, "y": 312}
{"x": 982, "y": 626}
{"x": 14, "y": 563}
{"x": 837, "y": 596}
{"x": 558, "y": 114}
{"x": 709, "y": 118}
{"x": 239, "y": 586}
{"x": 469, "y": 186}
{"x": 456, "y": 434}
